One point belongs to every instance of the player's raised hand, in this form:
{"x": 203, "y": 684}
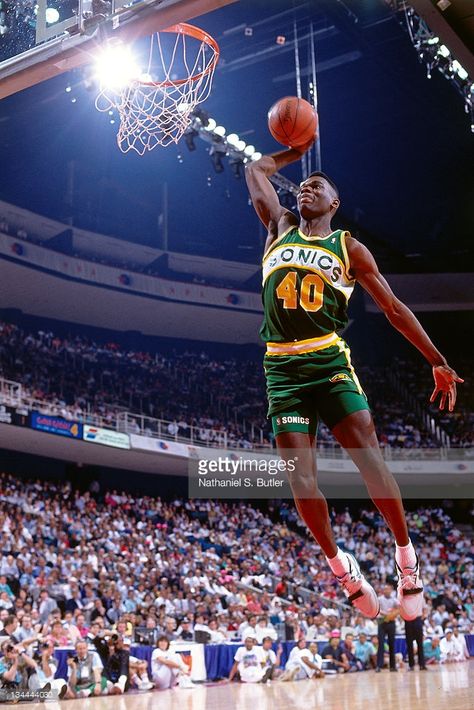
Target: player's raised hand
{"x": 302, "y": 149}
{"x": 445, "y": 382}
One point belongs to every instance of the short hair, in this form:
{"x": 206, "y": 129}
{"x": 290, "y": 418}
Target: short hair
{"x": 318, "y": 173}
{"x": 163, "y": 638}
{"x": 9, "y": 620}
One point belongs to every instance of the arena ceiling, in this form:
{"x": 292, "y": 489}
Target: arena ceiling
{"x": 398, "y": 145}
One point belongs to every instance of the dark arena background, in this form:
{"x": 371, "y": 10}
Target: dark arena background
{"x": 131, "y": 361}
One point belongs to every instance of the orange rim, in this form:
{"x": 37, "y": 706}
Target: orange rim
{"x": 183, "y": 28}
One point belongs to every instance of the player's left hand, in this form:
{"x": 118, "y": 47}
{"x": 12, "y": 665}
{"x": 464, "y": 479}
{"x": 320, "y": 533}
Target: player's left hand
{"x": 445, "y": 382}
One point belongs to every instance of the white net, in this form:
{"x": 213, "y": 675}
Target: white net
{"x": 155, "y": 107}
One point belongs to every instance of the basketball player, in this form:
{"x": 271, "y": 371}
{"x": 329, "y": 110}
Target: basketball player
{"x": 309, "y": 273}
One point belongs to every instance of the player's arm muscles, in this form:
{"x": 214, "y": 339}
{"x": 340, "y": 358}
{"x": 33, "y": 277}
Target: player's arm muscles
{"x": 364, "y": 269}
{"x": 263, "y": 195}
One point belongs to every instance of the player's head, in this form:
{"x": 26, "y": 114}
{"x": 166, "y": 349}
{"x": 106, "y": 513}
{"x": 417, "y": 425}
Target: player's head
{"x": 318, "y": 195}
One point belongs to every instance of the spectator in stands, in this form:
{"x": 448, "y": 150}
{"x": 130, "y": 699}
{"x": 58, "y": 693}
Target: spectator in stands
{"x": 264, "y": 629}
{"x": 461, "y": 646}
{"x": 85, "y": 673}
{"x": 270, "y": 660}
{"x": 46, "y": 605}
{"x": 364, "y": 651}
{"x": 116, "y": 661}
{"x": 46, "y": 667}
{"x": 168, "y": 667}
{"x": 15, "y": 666}
{"x": 449, "y": 648}
{"x": 432, "y": 651}
{"x": 249, "y": 662}
{"x": 303, "y": 662}
{"x": 348, "y": 649}
{"x": 58, "y": 636}
{"x": 334, "y": 653}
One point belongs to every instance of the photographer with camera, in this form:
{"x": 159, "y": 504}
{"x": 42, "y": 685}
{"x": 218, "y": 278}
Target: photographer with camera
{"x": 116, "y": 661}
{"x": 85, "y": 673}
{"x": 16, "y": 672}
{"x": 46, "y": 670}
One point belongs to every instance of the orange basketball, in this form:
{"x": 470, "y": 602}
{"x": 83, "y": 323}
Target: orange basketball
{"x": 292, "y": 121}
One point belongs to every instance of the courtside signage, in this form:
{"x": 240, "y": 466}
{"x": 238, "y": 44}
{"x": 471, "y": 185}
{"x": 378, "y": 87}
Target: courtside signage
{"x": 56, "y": 425}
{"x": 107, "y": 437}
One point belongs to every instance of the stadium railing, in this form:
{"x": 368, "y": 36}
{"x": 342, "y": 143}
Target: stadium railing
{"x": 13, "y": 394}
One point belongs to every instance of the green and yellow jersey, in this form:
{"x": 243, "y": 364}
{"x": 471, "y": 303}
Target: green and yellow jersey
{"x": 306, "y": 289}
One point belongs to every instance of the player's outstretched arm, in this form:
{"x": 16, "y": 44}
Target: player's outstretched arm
{"x": 262, "y": 193}
{"x": 365, "y": 270}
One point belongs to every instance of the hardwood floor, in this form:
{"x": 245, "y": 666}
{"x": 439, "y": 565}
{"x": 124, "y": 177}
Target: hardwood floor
{"x": 440, "y": 688}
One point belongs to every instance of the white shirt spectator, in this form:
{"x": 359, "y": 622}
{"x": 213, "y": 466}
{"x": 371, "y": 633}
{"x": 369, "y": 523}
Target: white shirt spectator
{"x": 264, "y": 631}
{"x": 249, "y": 664}
{"x": 449, "y": 649}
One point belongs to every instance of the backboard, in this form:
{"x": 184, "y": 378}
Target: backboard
{"x": 40, "y": 39}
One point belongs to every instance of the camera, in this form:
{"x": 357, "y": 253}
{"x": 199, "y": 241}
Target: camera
{"x": 114, "y": 638}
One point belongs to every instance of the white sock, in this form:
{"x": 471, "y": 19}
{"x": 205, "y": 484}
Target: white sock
{"x": 339, "y": 564}
{"x": 145, "y": 678}
{"x": 405, "y": 556}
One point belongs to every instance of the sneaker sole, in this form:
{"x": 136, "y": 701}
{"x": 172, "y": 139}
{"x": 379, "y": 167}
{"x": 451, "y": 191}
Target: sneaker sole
{"x": 371, "y": 589}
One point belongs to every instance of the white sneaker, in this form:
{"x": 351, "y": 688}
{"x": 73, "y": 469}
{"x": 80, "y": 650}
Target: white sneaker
{"x": 410, "y": 591}
{"x": 145, "y": 685}
{"x": 358, "y": 591}
{"x": 186, "y": 683}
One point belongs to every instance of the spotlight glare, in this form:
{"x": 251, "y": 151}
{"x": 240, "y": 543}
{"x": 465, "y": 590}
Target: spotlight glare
{"x": 52, "y": 15}
{"x": 68, "y": 89}
{"x": 211, "y": 125}
{"x": 219, "y": 131}
{"x": 256, "y": 155}
{"x": 443, "y": 51}
{"x": 241, "y": 145}
{"x": 116, "y": 67}
{"x": 460, "y": 71}
{"x": 249, "y": 150}
{"x": 233, "y": 139}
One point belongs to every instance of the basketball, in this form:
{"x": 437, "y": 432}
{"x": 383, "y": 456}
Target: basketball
{"x": 292, "y": 121}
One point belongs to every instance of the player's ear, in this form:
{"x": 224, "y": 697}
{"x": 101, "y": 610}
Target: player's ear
{"x": 335, "y": 203}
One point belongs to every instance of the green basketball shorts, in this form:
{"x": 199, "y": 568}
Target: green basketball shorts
{"x": 304, "y": 388}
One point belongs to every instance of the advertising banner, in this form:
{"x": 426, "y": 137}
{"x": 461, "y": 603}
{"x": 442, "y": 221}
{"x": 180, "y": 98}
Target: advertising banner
{"x": 107, "y": 437}
{"x": 56, "y": 425}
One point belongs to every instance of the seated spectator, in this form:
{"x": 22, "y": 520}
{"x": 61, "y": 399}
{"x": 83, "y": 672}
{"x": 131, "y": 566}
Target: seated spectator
{"x": 432, "y": 650}
{"x": 348, "y": 649}
{"x": 450, "y": 649}
{"x": 138, "y": 671}
{"x": 333, "y": 652}
{"x": 115, "y": 660}
{"x": 270, "y": 659}
{"x": 461, "y": 646}
{"x": 248, "y": 662}
{"x": 58, "y": 636}
{"x": 85, "y": 673}
{"x": 264, "y": 629}
{"x": 46, "y": 670}
{"x": 184, "y": 632}
{"x": 303, "y": 662}
{"x": 216, "y": 635}
{"x": 365, "y": 651}
{"x": 15, "y": 667}
{"x": 168, "y": 667}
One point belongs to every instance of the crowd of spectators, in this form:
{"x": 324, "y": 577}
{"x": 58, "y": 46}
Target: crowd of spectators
{"x": 223, "y": 399}
{"x": 122, "y": 568}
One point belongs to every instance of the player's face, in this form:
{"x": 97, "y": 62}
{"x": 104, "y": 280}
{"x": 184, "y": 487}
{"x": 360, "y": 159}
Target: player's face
{"x": 316, "y": 197}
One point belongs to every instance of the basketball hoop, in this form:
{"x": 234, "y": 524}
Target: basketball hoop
{"x": 155, "y": 107}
